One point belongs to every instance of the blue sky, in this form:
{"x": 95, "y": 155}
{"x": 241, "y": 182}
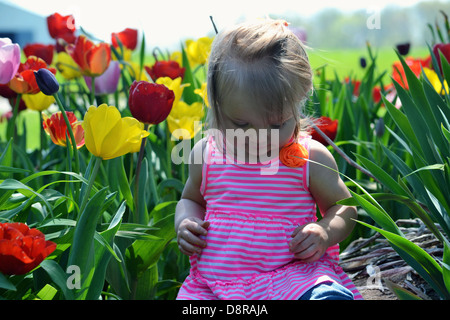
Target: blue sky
{"x": 166, "y": 22}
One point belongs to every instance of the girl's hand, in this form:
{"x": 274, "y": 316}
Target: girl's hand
{"x": 188, "y": 234}
{"x": 309, "y": 242}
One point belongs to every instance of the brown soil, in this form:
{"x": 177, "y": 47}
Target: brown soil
{"x": 373, "y": 265}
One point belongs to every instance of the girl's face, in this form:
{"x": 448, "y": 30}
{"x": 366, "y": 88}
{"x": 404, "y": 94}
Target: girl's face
{"x": 239, "y": 111}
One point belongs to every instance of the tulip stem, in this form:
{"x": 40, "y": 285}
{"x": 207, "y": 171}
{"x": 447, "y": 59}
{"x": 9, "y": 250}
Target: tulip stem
{"x": 92, "y": 177}
{"x": 12, "y": 124}
{"x": 92, "y": 90}
{"x": 69, "y": 129}
{"x": 138, "y": 173}
{"x": 342, "y": 153}
{"x": 169, "y": 149}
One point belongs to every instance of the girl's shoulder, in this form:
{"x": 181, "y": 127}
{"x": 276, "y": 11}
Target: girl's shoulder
{"x": 322, "y": 159}
{"x": 198, "y": 152}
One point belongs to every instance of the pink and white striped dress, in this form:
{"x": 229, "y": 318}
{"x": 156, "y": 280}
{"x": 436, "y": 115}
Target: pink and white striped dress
{"x": 252, "y": 217}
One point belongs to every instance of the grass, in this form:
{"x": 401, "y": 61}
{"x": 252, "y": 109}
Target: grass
{"x": 345, "y": 62}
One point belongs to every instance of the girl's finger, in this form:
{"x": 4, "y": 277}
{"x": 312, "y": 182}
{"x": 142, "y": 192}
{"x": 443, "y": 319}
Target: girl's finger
{"x": 307, "y": 253}
{"x": 188, "y": 248}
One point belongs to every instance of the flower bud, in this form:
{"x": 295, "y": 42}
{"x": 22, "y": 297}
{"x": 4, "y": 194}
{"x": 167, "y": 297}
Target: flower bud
{"x": 46, "y": 81}
{"x": 379, "y": 127}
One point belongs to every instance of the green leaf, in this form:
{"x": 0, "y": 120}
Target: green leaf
{"x": 445, "y": 132}
{"x": 400, "y": 292}
{"x": 145, "y": 288}
{"x": 142, "y": 253}
{"x": 403, "y": 124}
{"x": 189, "y": 96}
{"x": 81, "y": 252}
{"x": 430, "y": 270}
{"x": 382, "y": 176}
{"x": 103, "y": 254}
{"x": 445, "y": 67}
{"x": 427, "y": 118}
{"x": 58, "y": 276}
{"x": 11, "y": 184}
{"x": 118, "y": 178}
{"x": 378, "y": 215}
{"x": 437, "y": 166}
{"x": 162, "y": 210}
{"x": 5, "y": 283}
{"x": 6, "y": 158}
{"x": 446, "y": 266}
{"x": 47, "y": 292}
{"x": 141, "y": 212}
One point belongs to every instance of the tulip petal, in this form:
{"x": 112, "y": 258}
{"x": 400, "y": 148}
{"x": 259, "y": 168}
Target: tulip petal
{"x": 108, "y": 136}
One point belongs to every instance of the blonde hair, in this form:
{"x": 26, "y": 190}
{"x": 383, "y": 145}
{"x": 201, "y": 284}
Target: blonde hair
{"x": 265, "y": 58}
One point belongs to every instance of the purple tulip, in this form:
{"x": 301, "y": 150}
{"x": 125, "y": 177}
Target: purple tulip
{"x": 300, "y": 33}
{"x": 46, "y": 81}
{"x": 108, "y": 81}
{"x": 9, "y": 59}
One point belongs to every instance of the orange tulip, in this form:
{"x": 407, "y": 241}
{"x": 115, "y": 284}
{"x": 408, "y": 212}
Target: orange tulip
{"x": 291, "y": 153}
{"x": 93, "y": 59}
{"x": 398, "y": 73}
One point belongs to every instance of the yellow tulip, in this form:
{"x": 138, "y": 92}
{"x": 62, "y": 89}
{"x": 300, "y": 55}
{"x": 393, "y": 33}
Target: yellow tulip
{"x": 38, "y": 101}
{"x": 68, "y": 68}
{"x": 198, "y": 51}
{"x": 134, "y": 70}
{"x": 125, "y": 55}
{"x": 107, "y": 135}
{"x": 174, "y": 85}
{"x": 177, "y": 56}
{"x": 202, "y": 92}
{"x": 435, "y": 82}
{"x": 183, "y": 117}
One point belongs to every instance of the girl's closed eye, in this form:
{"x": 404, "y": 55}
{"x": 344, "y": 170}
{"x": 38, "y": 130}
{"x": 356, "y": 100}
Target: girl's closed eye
{"x": 240, "y": 124}
{"x": 278, "y": 126}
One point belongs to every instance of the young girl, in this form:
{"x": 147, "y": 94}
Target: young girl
{"x": 251, "y": 235}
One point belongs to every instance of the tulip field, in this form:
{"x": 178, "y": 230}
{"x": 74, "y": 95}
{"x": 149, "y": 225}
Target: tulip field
{"x": 89, "y": 185}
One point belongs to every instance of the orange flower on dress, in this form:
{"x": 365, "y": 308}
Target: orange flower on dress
{"x": 293, "y": 155}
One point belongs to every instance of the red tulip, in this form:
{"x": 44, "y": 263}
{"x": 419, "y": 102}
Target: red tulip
{"x": 22, "y": 249}
{"x": 376, "y": 94}
{"x": 414, "y": 64}
{"x": 150, "y": 103}
{"x": 356, "y": 84}
{"x": 161, "y": 69}
{"x": 93, "y": 59}
{"x": 24, "y": 81}
{"x": 61, "y": 27}
{"x": 327, "y": 126}
{"x": 445, "y": 50}
{"x": 127, "y": 37}
{"x": 45, "y": 52}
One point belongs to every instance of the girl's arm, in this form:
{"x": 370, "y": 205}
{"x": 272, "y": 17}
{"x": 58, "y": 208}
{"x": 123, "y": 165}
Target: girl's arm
{"x": 312, "y": 240}
{"x": 190, "y": 210}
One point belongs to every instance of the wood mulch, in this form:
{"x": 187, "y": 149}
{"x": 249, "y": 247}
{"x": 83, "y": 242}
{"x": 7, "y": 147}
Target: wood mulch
{"x": 372, "y": 263}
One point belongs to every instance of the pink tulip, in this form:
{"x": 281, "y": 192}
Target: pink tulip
{"x": 9, "y": 59}
{"x": 108, "y": 81}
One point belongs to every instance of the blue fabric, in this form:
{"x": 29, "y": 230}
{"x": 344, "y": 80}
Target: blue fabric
{"x": 327, "y": 291}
